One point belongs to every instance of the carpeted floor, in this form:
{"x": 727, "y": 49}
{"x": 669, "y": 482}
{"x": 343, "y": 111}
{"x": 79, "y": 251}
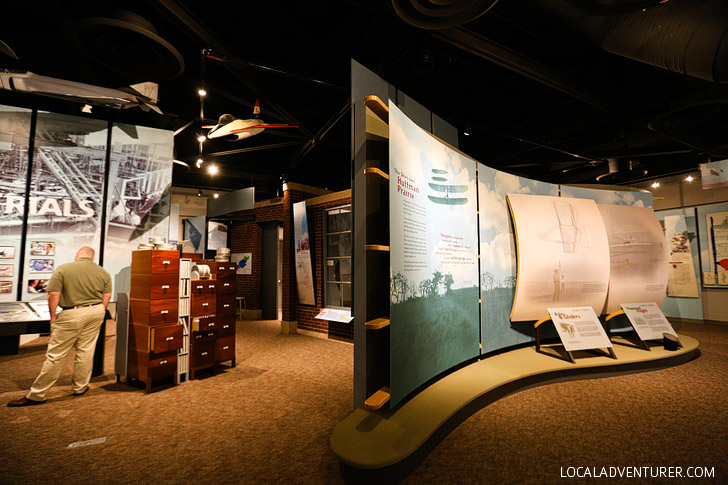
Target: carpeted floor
{"x": 269, "y": 420}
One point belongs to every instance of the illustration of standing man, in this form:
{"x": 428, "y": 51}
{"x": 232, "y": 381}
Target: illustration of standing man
{"x": 557, "y": 284}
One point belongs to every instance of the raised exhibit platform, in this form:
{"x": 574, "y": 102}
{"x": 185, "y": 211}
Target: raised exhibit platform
{"x": 385, "y": 445}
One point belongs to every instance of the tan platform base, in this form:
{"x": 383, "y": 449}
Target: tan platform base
{"x": 385, "y": 445}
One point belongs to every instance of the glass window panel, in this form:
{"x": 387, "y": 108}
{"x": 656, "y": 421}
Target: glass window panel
{"x": 345, "y": 269}
{"x": 346, "y": 294}
{"x": 333, "y": 270}
{"x": 333, "y": 294}
{"x": 332, "y": 223}
{"x": 345, "y": 219}
{"x": 345, "y": 244}
{"x": 333, "y": 246}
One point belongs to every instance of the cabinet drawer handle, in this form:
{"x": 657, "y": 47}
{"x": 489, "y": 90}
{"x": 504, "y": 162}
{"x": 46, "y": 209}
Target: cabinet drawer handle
{"x": 163, "y": 362}
{"x": 232, "y": 268}
{"x": 226, "y": 305}
{"x": 205, "y": 304}
{"x": 204, "y": 353}
{"x": 211, "y": 324}
{"x": 211, "y": 286}
{"x": 164, "y": 311}
{"x": 165, "y": 287}
{"x": 200, "y": 287}
{"x": 165, "y": 262}
{"x": 226, "y": 347}
{"x": 211, "y": 334}
{"x": 226, "y": 284}
{"x": 198, "y": 336}
{"x": 169, "y": 338}
{"x": 226, "y": 326}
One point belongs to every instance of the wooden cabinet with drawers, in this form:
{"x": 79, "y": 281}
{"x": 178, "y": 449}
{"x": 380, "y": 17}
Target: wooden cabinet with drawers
{"x": 155, "y": 333}
{"x": 212, "y": 313}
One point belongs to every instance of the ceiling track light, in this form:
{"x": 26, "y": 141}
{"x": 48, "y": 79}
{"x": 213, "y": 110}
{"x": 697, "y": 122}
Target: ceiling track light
{"x": 689, "y": 178}
{"x": 216, "y": 195}
{"x": 655, "y": 184}
{"x": 199, "y": 192}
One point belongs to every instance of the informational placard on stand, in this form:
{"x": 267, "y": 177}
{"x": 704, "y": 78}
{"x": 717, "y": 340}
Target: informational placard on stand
{"x": 336, "y": 315}
{"x": 648, "y": 320}
{"x": 579, "y": 328}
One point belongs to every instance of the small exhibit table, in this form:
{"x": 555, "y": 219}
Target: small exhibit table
{"x": 22, "y": 318}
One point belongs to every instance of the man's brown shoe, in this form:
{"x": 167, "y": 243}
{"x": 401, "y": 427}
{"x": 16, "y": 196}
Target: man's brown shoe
{"x": 81, "y": 393}
{"x": 24, "y": 402}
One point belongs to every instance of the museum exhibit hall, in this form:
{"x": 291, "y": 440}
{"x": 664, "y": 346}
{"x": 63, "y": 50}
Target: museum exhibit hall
{"x": 405, "y": 241}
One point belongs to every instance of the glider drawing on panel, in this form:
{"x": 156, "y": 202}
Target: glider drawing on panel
{"x": 572, "y": 236}
{"x": 230, "y": 128}
{"x": 442, "y": 188}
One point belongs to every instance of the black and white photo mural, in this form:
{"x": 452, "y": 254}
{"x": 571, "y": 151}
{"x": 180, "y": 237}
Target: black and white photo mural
{"x": 66, "y": 193}
{"x": 14, "y": 140}
{"x": 140, "y": 179}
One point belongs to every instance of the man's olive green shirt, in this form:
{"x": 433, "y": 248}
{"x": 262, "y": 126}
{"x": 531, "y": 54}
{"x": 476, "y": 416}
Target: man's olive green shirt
{"x": 81, "y": 282}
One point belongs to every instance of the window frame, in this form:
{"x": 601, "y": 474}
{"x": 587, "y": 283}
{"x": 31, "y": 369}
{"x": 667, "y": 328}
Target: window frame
{"x": 326, "y": 258}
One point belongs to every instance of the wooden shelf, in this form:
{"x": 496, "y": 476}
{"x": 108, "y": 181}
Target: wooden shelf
{"x": 377, "y": 323}
{"x": 378, "y": 399}
{"x": 375, "y": 247}
{"x": 376, "y": 173}
{"x": 378, "y": 107}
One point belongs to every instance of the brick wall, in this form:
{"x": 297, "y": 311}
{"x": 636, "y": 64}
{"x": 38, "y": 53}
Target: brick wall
{"x": 247, "y": 237}
{"x": 306, "y": 314}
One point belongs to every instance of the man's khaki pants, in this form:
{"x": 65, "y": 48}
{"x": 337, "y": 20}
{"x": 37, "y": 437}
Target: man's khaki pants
{"x": 75, "y": 328}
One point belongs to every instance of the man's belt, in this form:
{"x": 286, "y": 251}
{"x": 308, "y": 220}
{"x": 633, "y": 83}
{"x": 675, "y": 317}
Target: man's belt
{"x": 78, "y": 306}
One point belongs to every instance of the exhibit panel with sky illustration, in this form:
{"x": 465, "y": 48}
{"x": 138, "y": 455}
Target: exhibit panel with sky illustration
{"x": 498, "y": 255}
{"x": 433, "y": 256}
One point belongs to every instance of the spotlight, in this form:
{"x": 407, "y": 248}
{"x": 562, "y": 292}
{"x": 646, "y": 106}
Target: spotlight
{"x": 199, "y": 163}
{"x": 689, "y": 178}
{"x": 202, "y": 92}
{"x": 212, "y": 169}
{"x": 201, "y": 138}
{"x": 466, "y": 131}
{"x": 655, "y": 185}
{"x": 199, "y": 192}
{"x": 216, "y": 195}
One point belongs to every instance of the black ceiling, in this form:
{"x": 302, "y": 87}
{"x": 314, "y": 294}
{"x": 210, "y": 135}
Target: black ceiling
{"x": 556, "y": 90}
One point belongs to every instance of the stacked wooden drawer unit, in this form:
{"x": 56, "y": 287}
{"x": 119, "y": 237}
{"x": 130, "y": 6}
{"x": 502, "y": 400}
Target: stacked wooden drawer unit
{"x": 155, "y": 334}
{"x": 212, "y": 312}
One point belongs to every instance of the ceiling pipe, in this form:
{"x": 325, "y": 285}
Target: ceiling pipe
{"x": 687, "y": 37}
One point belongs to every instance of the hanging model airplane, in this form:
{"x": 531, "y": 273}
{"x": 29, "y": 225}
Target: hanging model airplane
{"x": 143, "y": 95}
{"x": 232, "y": 129}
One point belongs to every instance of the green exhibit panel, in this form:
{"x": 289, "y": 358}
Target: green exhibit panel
{"x": 434, "y": 308}
{"x": 385, "y": 445}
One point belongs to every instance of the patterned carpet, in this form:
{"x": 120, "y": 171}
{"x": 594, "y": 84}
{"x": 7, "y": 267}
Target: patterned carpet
{"x": 269, "y": 419}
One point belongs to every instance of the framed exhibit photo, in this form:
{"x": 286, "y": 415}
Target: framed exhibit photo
{"x": 7, "y": 252}
{"x": 6, "y": 270}
{"x": 37, "y": 286}
{"x": 6, "y": 286}
{"x": 42, "y": 248}
{"x": 40, "y": 266}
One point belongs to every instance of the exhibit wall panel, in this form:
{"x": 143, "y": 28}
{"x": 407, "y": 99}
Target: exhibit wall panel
{"x": 14, "y": 144}
{"x": 633, "y": 198}
{"x": 139, "y": 194}
{"x": 713, "y": 238}
{"x": 498, "y": 256}
{"x": 683, "y": 221}
{"x": 434, "y": 309}
{"x": 563, "y": 254}
{"x": 66, "y": 193}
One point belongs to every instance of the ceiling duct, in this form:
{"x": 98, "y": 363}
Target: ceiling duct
{"x": 621, "y": 171}
{"x": 440, "y": 14}
{"x": 687, "y": 37}
{"x": 128, "y": 44}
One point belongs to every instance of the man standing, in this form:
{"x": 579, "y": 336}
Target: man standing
{"x": 83, "y": 290}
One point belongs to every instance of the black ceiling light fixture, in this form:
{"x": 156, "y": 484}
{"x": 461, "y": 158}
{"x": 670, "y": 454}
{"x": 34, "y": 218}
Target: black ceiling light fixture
{"x": 128, "y": 44}
{"x": 621, "y": 170}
